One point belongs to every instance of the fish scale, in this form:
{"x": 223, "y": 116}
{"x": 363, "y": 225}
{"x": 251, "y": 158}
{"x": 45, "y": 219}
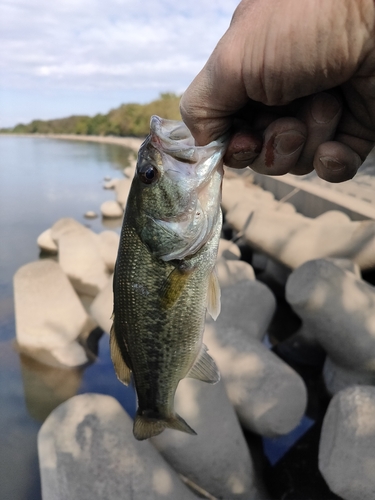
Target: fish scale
{"x": 160, "y": 302}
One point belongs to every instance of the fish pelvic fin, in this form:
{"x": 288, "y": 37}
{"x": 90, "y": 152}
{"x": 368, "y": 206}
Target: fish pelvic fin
{"x": 214, "y": 295}
{"x": 146, "y": 426}
{"x": 122, "y": 370}
{"x": 204, "y": 368}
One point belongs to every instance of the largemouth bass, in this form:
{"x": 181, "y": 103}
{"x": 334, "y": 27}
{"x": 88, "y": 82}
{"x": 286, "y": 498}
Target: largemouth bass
{"x": 164, "y": 277}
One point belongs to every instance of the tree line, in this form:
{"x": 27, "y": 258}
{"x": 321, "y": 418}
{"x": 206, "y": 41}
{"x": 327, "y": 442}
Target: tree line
{"x": 127, "y": 120}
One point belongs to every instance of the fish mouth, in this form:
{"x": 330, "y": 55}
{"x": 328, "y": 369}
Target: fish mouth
{"x": 174, "y": 138}
{"x": 200, "y": 168}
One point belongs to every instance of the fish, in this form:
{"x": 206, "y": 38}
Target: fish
{"x": 165, "y": 278}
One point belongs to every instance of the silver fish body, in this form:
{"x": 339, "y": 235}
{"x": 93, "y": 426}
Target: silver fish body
{"x": 164, "y": 278}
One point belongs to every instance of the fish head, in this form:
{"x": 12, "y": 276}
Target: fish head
{"x": 177, "y": 187}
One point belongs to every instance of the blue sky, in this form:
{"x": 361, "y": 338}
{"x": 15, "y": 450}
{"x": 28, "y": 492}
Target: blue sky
{"x": 65, "y": 57}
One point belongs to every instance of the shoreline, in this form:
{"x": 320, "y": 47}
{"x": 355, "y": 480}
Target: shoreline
{"x": 127, "y": 142}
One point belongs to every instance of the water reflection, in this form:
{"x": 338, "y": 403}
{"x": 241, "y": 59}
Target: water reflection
{"x": 119, "y": 156}
{"x": 112, "y": 223}
{"x": 46, "y": 387}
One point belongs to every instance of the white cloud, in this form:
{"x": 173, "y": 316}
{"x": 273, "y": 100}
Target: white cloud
{"x": 119, "y": 44}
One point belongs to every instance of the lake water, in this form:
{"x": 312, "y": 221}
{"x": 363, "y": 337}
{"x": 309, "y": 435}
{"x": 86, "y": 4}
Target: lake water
{"x": 42, "y": 180}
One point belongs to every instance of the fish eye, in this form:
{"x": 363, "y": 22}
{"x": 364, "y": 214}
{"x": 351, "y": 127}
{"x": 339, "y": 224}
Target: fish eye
{"x": 148, "y": 174}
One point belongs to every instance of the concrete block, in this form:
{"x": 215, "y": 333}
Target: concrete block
{"x": 87, "y": 451}
{"x": 347, "y": 443}
{"x": 49, "y": 315}
{"x": 218, "y": 458}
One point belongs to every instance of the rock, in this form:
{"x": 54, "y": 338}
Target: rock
{"x": 333, "y": 217}
{"x": 218, "y": 458}
{"x": 87, "y": 452}
{"x": 130, "y": 171}
{"x": 275, "y": 272}
{"x": 46, "y": 243}
{"x": 111, "y": 184}
{"x": 112, "y": 224}
{"x": 339, "y": 308}
{"x": 285, "y": 207}
{"x": 347, "y": 442}
{"x": 269, "y": 397}
{"x": 49, "y": 315}
{"x": 108, "y": 248}
{"x": 90, "y": 214}
{"x": 230, "y": 272}
{"x": 122, "y": 189}
{"x": 337, "y": 378}
{"x": 241, "y": 214}
{"x": 347, "y": 265}
{"x": 63, "y": 226}
{"x": 86, "y": 301}
{"x": 228, "y": 250}
{"x": 259, "y": 261}
{"x": 111, "y": 209}
{"x": 80, "y": 257}
{"x": 234, "y": 189}
{"x": 246, "y": 307}
{"x": 293, "y": 239}
{"x": 239, "y": 191}
{"x": 102, "y": 307}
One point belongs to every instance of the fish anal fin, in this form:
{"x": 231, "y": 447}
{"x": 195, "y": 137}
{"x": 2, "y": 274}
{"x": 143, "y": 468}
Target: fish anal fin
{"x": 173, "y": 287}
{"x": 122, "y": 370}
{"x": 213, "y": 296}
{"x": 146, "y": 426}
{"x": 204, "y": 368}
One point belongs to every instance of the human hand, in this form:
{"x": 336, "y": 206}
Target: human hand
{"x": 295, "y": 82}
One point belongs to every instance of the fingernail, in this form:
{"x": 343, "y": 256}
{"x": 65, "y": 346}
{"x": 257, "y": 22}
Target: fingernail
{"x": 244, "y": 155}
{"x": 324, "y": 107}
{"x": 288, "y": 143}
{"x": 331, "y": 163}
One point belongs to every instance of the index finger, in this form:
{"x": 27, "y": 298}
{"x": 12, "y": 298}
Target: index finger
{"x": 208, "y": 104}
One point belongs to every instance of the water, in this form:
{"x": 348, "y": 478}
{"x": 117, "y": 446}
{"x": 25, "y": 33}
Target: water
{"x": 42, "y": 180}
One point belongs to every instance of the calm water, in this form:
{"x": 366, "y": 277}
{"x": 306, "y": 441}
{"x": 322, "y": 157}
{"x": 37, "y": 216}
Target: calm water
{"x": 42, "y": 180}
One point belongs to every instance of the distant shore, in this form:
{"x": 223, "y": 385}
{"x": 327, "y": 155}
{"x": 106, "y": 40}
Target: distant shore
{"x": 128, "y": 142}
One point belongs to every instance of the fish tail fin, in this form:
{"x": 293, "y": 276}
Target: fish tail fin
{"x": 146, "y": 427}
{"x": 178, "y": 423}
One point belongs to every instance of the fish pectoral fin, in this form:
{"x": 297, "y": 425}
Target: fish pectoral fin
{"x": 173, "y": 287}
{"x": 204, "y": 368}
{"x": 146, "y": 427}
{"x": 213, "y": 296}
{"x": 122, "y": 370}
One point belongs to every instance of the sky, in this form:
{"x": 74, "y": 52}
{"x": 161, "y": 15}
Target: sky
{"x": 64, "y": 57}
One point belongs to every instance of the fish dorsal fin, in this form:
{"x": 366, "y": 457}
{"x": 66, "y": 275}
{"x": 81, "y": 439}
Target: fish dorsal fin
{"x": 213, "y": 296}
{"x": 173, "y": 287}
{"x": 204, "y": 368}
{"x": 121, "y": 368}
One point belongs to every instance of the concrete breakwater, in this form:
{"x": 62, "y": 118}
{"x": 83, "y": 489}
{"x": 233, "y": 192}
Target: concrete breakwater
{"x": 313, "y": 196}
{"x": 271, "y": 255}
